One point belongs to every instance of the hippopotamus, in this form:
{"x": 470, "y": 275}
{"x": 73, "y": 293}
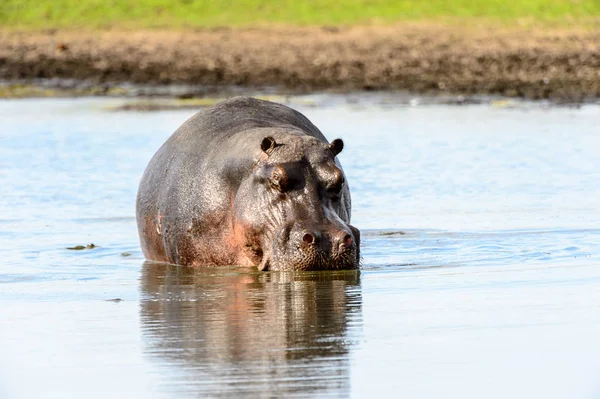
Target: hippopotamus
{"x": 252, "y": 183}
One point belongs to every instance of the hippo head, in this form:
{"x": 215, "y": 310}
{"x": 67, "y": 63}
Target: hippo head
{"x": 293, "y": 211}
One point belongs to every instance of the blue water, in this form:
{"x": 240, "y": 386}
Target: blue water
{"x": 480, "y": 276}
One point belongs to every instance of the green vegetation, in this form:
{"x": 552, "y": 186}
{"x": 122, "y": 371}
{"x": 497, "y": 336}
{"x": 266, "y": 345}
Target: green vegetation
{"x": 178, "y": 14}
{"x": 19, "y": 90}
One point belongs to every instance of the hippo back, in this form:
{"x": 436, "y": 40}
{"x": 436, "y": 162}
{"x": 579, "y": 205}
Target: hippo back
{"x": 215, "y": 124}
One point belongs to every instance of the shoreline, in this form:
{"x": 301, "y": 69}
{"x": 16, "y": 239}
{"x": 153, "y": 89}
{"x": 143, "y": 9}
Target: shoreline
{"x": 560, "y": 64}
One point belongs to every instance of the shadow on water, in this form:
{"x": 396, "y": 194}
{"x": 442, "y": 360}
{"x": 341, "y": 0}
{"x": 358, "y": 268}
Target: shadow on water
{"x": 237, "y": 331}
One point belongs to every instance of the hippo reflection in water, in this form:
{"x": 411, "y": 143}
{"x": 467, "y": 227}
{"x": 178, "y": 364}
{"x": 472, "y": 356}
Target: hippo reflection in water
{"x": 252, "y": 183}
{"x": 231, "y": 331}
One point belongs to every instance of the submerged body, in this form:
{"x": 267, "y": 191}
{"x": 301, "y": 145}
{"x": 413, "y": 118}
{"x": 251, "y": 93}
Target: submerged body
{"x": 252, "y": 183}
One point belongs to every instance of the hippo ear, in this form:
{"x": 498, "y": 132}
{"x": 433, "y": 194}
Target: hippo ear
{"x": 336, "y": 146}
{"x": 268, "y": 144}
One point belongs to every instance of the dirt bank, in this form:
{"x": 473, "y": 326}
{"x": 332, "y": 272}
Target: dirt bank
{"x": 562, "y": 65}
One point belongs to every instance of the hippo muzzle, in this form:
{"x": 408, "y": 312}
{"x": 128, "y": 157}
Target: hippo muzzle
{"x": 326, "y": 247}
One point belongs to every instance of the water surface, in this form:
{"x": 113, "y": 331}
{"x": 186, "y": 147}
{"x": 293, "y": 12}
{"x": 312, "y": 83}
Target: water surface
{"x": 480, "y": 277}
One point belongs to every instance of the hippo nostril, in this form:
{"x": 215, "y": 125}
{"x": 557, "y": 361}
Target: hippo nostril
{"x": 308, "y": 238}
{"x": 347, "y": 241}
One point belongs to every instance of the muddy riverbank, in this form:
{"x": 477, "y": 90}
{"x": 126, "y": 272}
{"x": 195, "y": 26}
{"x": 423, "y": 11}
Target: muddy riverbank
{"x": 554, "y": 64}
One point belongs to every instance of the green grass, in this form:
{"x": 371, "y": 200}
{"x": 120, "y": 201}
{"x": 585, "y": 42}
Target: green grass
{"x": 177, "y": 14}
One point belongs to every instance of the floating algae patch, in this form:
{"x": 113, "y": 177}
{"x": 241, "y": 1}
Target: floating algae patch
{"x": 82, "y": 247}
{"x": 25, "y": 91}
{"x": 59, "y": 90}
{"x": 164, "y": 104}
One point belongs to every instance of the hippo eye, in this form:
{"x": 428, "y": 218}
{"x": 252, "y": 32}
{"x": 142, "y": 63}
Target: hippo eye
{"x": 279, "y": 179}
{"x": 335, "y": 188}
{"x": 334, "y": 191}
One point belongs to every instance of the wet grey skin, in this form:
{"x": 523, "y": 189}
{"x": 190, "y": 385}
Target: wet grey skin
{"x": 252, "y": 183}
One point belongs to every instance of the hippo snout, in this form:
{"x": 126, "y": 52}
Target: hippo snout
{"x": 315, "y": 248}
{"x": 336, "y": 242}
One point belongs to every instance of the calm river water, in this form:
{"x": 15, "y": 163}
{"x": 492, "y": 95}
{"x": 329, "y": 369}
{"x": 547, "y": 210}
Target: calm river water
{"x": 481, "y": 272}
